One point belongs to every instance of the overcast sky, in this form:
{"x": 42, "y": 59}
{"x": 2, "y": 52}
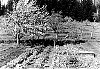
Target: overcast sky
{"x": 96, "y": 1}
{"x": 4, "y": 2}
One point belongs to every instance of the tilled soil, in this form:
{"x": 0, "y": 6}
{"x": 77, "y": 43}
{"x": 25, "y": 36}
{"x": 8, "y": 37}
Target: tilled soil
{"x": 53, "y": 58}
{"x": 10, "y": 53}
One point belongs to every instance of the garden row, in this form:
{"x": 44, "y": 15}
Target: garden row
{"x": 67, "y": 56}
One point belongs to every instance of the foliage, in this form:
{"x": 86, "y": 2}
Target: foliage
{"x": 68, "y": 28}
{"x": 30, "y": 20}
{"x": 27, "y": 17}
{"x": 79, "y": 11}
{"x": 73, "y": 8}
{"x": 54, "y": 21}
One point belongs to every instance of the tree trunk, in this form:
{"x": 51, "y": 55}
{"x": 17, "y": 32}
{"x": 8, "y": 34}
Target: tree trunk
{"x": 18, "y": 39}
{"x": 54, "y": 43}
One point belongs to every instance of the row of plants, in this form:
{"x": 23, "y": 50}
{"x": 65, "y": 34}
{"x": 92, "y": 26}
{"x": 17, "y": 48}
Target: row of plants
{"x": 29, "y": 57}
{"x": 65, "y": 56}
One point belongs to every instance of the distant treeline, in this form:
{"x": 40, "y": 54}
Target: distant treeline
{"x": 8, "y": 7}
{"x": 79, "y": 11}
{"x": 72, "y": 8}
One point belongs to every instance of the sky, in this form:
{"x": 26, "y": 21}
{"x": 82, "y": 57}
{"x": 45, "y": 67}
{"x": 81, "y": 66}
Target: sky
{"x": 96, "y": 1}
{"x": 4, "y": 2}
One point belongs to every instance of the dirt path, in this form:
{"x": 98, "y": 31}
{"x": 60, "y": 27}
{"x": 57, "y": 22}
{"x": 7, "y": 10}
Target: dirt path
{"x": 96, "y": 45}
{"x": 92, "y": 46}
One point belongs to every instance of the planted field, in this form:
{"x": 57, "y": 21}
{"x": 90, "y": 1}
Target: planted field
{"x": 9, "y": 52}
{"x": 29, "y": 22}
{"x": 67, "y": 56}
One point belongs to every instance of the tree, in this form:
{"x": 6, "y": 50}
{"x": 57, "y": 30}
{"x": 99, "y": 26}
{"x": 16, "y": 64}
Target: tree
{"x": 26, "y": 17}
{"x": 54, "y": 22}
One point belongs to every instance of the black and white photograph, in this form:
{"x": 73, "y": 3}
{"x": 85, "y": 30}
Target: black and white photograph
{"x": 49, "y": 34}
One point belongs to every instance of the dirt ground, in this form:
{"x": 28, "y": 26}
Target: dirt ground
{"x": 9, "y": 52}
